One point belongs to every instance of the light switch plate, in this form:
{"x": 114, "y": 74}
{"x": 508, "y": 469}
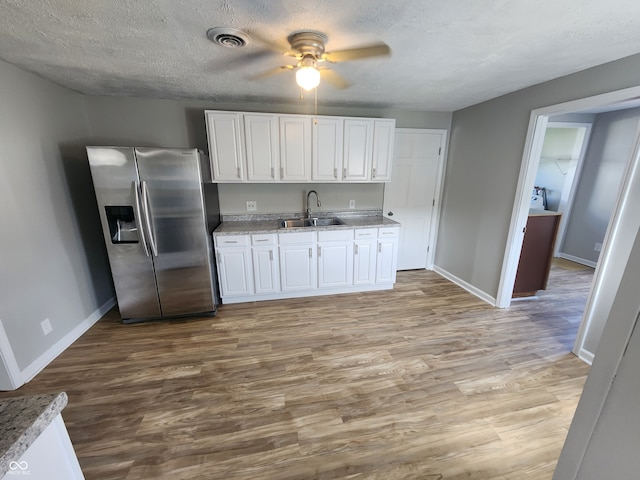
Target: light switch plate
{"x": 352, "y": 204}
{"x": 252, "y": 206}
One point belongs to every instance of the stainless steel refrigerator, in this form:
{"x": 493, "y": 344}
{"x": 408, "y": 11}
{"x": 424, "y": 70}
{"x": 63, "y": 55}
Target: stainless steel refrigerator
{"x": 157, "y": 219}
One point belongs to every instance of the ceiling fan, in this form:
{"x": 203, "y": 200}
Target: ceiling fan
{"x": 308, "y": 48}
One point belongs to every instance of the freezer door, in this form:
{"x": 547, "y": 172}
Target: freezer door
{"x": 173, "y": 199}
{"x": 115, "y": 180}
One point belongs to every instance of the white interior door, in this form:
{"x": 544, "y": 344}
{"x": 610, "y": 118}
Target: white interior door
{"x": 412, "y": 196}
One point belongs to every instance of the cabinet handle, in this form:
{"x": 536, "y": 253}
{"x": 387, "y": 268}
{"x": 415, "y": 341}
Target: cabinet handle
{"x": 281, "y": 173}
{"x": 230, "y": 241}
{"x": 273, "y": 172}
{"x": 344, "y": 173}
{"x": 335, "y": 173}
{"x": 374, "y": 173}
{"x": 379, "y": 248}
{"x": 262, "y": 240}
{"x": 310, "y": 252}
{"x": 356, "y": 249}
{"x": 238, "y": 170}
{"x": 319, "y": 251}
{"x": 271, "y": 255}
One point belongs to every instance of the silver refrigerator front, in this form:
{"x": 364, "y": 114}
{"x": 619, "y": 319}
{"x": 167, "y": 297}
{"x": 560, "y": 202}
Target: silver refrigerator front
{"x": 153, "y": 216}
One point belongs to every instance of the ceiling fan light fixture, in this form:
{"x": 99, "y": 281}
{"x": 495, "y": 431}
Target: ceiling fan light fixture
{"x": 308, "y": 77}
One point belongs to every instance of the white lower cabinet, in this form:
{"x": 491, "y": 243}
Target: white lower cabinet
{"x": 266, "y": 264}
{"x": 233, "y": 255}
{"x": 298, "y": 269}
{"x": 365, "y": 256}
{"x": 305, "y": 263}
{"x": 335, "y": 258}
{"x": 387, "y": 256}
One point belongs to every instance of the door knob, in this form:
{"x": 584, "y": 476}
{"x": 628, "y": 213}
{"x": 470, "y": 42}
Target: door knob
{"x": 390, "y": 214}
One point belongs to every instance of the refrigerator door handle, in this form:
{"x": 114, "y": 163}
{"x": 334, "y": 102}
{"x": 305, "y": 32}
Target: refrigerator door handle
{"x": 143, "y": 238}
{"x": 147, "y": 218}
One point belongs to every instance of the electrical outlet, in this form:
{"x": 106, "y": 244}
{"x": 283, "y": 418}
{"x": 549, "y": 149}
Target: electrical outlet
{"x": 46, "y": 326}
{"x": 597, "y": 247}
{"x": 352, "y": 204}
{"x": 252, "y": 206}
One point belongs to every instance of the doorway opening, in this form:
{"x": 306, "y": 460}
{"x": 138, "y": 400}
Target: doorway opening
{"x": 621, "y": 228}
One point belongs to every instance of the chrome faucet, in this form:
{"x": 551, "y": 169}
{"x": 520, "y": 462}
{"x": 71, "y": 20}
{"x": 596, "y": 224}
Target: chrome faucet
{"x": 317, "y": 202}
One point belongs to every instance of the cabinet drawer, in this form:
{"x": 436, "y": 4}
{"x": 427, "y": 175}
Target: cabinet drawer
{"x": 231, "y": 240}
{"x": 335, "y": 235}
{"x": 388, "y": 232}
{"x": 296, "y": 237}
{"x": 365, "y": 233}
{"x": 263, "y": 239}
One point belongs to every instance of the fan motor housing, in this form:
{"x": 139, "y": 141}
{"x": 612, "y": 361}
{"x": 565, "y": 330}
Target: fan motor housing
{"x": 308, "y": 43}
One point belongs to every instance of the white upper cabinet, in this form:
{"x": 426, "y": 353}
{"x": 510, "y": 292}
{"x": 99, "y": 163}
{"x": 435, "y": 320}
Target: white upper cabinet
{"x": 262, "y": 142}
{"x": 225, "y": 146}
{"x": 358, "y": 142}
{"x": 383, "y": 136}
{"x": 327, "y": 149}
{"x": 295, "y": 148}
{"x": 269, "y": 147}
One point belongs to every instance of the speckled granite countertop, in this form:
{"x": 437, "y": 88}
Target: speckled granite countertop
{"x": 268, "y": 223}
{"x": 22, "y": 420}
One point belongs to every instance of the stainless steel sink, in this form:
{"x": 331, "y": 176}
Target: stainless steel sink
{"x": 309, "y": 222}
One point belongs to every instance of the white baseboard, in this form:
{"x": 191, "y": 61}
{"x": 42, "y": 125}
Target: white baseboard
{"x": 10, "y": 377}
{"x": 467, "y": 286}
{"x": 586, "y": 356}
{"x": 61, "y": 345}
{"x": 581, "y": 261}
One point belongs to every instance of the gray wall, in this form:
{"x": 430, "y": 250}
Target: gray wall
{"x": 612, "y": 139}
{"x": 53, "y": 262}
{"x": 485, "y": 154}
{"x": 180, "y": 123}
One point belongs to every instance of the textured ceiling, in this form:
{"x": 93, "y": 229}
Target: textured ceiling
{"x": 445, "y": 54}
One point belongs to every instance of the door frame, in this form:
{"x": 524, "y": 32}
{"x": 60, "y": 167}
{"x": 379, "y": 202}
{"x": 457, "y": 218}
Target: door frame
{"x": 531, "y": 157}
{"x": 439, "y": 189}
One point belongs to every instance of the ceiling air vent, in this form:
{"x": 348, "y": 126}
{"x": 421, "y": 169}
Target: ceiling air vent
{"x": 228, "y": 37}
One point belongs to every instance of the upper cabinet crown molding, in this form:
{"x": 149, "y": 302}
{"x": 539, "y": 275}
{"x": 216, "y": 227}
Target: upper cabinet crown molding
{"x": 270, "y": 147}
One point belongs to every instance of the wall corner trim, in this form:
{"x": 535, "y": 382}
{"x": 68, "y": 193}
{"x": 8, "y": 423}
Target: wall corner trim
{"x": 9, "y": 363}
{"x": 586, "y": 356}
{"x": 65, "y": 342}
{"x": 467, "y": 286}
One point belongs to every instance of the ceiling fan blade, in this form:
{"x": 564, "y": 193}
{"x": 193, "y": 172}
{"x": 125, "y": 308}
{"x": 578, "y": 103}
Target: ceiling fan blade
{"x": 240, "y": 61}
{"x": 271, "y": 71}
{"x": 279, "y": 47}
{"x": 334, "y": 78}
{"x": 374, "y": 50}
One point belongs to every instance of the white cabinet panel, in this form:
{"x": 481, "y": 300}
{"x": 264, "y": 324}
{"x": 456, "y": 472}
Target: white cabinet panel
{"x": 383, "y": 138}
{"x": 387, "y": 258}
{"x": 261, "y": 139}
{"x": 266, "y": 271}
{"x": 225, "y": 139}
{"x": 364, "y": 258}
{"x": 327, "y": 149}
{"x": 295, "y": 148}
{"x": 298, "y": 270}
{"x": 335, "y": 264}
{"x": 358, "y": 142}
{"x": 234, "y": 270}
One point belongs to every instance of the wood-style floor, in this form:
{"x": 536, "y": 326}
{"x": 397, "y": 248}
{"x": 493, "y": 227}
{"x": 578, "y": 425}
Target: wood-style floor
{"x": 422, "y": 382}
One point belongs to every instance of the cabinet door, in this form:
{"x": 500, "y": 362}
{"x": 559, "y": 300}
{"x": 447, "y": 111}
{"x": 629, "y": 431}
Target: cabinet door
{"x": 327, "y": 149}
{"x": 358, "y": 141}
{"x": 295, "y": 148}
{"x": 335, "y": 264}
{"x": 383, "y": 136}
{"x": 234, "y": 269}
{"x": 266, "y": 272}
{"x": 387, "y": 258}
{"x": 261, "y": 138}
{"x": 224, "y": 135}
{"x": 364, "y": 262}
{"x": 298, "y": 269}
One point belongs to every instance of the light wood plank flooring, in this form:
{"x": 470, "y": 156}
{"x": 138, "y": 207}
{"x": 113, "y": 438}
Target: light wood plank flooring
{"x": 422, "y": 382}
